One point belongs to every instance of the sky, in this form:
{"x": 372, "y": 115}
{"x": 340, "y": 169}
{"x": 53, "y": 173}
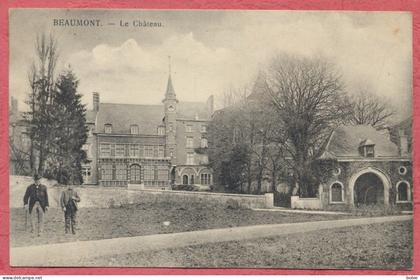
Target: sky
{"x": 213, "y": 51}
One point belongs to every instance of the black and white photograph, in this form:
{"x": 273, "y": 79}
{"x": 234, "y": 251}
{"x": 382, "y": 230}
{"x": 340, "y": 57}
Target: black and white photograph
{"x": 210, "y": 139}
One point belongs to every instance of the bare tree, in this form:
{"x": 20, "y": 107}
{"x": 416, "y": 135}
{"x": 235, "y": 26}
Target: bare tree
{"x": 310, "y": 101}
{"x": 41, "y": 82}
{"x": 369, "y": 109}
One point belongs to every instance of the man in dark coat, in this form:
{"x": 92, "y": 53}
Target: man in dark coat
{"x": 68, "y": 202}
{"x": 35, "y": 201}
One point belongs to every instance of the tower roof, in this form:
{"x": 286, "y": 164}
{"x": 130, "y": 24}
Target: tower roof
{"x": 170, "y": 92}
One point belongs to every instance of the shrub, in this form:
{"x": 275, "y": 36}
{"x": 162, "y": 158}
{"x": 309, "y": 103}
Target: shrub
{"x": 376, "y": 210}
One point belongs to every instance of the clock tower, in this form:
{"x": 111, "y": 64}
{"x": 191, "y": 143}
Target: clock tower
{"x": 170, "y": 102}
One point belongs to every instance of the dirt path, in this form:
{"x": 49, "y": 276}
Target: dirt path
{"x": 70, "y": 254}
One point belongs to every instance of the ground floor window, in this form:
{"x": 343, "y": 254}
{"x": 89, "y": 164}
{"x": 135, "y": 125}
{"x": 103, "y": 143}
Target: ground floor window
{"x": 205, "y": 179}
{"x": 163, "y": 173}
{"x": 86, "y": 171}
{"x": 121, "y": 172}
{"x": 149, "y": 173}
{"x": 135, "y": 173}
{"x": 185, "y": 179}
{"x": 106, "y": 172}
{"x": 403, "y": 191}
{"x": 337, "y": 192}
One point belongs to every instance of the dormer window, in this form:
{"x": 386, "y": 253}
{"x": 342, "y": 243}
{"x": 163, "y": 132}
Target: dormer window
{"x": 161, "y": 130}
{"x": 134, "y": 129}
{"x": 367, "y": 148}
{"x": 108, "y": 128}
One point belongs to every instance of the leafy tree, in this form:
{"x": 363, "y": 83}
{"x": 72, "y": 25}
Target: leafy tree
{"x": 70, "y": 131}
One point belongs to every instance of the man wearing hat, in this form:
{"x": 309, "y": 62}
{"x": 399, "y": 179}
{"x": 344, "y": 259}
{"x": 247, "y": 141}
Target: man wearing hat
{"x": 36, "y": 202}
{"x": 68, "y": 201}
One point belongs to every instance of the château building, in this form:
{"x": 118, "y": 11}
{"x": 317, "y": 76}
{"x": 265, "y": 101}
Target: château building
{"x": 148, "y": 145}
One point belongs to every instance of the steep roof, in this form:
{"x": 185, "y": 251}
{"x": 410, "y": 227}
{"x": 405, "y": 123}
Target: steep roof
{"x": 192, "y": 110}
{"x": 122, "y": 116}
{"x": 345, "y": 141}
{"x": 170, "y": 92}
{"x": 90, "y": 116}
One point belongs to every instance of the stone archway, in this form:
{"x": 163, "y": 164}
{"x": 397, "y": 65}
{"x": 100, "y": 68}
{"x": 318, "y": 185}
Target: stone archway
{"x": 369, "y": 186}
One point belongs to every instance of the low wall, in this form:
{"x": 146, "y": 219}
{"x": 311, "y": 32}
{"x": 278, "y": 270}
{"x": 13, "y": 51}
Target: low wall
{"x": 305, "y": 203}
{"x": 101, "y": 197}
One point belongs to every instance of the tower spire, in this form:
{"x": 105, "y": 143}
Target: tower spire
{"x": 169, "y": 61}
{"x": 170, "y": 92}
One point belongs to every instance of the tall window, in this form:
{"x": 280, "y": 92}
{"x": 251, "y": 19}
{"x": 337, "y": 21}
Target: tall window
{"x": 161, "y": 151}
{"x": 108, "y": 128}
{"x": 163, "y": 173}
{"x": 190, "y": 142}
{"x": 188, "y": 128}
{"x": 203, "y": 128}
{"x": 205, "y": 179}
{"x": 403, "y": 192}
{"x": 149, "y": 173}
{"x": 121, "y": 172}
{"x": 134, "y": 129}
{"x": 185, "y": 179}
{"x": 105, "y": 150}
{"x": 337, "y": 192}
{"x": 237, "y": 135}
{"x": 106, "y": 172}
{"x": 119, "y": 150}
{"x": 134, "y": 151}
{"x": 204, "y": 143}
{"x": 190, "y": 158}
{"x": 148, "y": 151}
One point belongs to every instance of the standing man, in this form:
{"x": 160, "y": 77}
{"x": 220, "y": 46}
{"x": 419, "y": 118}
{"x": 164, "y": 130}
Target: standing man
{"x": 68, "y": 202}
{"x": 35, "y": 201}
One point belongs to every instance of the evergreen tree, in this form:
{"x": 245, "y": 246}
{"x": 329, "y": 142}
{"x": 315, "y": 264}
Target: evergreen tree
{"x": 70, "y": 131}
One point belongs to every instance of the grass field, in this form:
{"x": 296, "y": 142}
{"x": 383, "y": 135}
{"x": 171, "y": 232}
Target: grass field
{"x": 378, "y": 246}
{"x": 145, "y": 219}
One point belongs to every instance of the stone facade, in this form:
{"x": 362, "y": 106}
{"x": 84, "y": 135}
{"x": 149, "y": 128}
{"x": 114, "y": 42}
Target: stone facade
{"x": 383, "y": 177}
{"x": 148, "y": 146}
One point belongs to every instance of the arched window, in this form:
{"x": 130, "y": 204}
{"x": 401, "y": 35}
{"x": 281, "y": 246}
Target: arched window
{"x": 403, "y": 192}
{"x": 336, "y": 193}
{"x": 185, "y": 179}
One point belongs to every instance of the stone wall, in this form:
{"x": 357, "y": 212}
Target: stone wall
{"x": 99, "y": 197}
{"x": 305, "y": 203}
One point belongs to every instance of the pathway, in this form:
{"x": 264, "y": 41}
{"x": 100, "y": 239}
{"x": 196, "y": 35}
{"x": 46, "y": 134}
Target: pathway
{"x": 73, "y": 253}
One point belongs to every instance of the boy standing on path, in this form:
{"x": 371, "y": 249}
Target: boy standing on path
{"x": 68, "y": 202}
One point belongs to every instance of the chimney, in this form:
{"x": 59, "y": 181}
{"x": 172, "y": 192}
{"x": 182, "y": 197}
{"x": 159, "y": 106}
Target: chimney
{"x": 403, "y": 142}
{"x": 14, "y": 105}
{"x": 210, "y": 106}
{"x": 95, "y": 101}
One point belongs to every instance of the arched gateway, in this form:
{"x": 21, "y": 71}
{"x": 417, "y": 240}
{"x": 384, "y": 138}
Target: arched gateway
{"x": 369, "y": 186}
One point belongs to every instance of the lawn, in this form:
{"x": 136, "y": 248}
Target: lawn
{"x": 378, "y": 246}
{"x": 145, "y": 219}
